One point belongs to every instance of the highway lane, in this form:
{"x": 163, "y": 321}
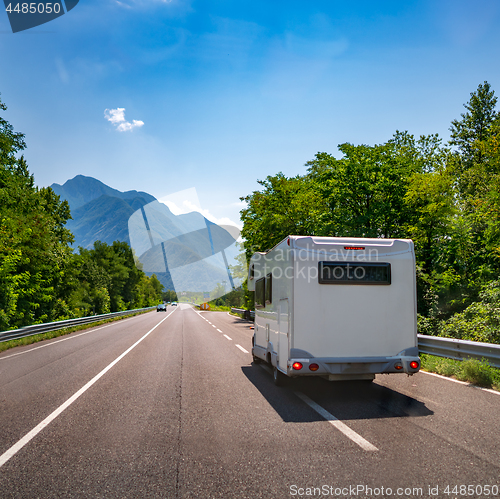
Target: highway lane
{"x": 186, "y": 414}
{"x": 35, "y": 379}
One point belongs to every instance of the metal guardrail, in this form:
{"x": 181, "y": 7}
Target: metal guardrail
{"x": 442, "y": 347}
{"x": 247, "y": 314}
{"x": 54, "y": 326}
{"x": 459, "y": 349}
{"x": 435, "y": 345}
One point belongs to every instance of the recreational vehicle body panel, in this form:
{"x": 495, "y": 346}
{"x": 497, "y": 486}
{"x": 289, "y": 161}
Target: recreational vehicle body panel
{"x": 341, "y": 308}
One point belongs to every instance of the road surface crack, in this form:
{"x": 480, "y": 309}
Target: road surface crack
{"x": 179, "y": 424}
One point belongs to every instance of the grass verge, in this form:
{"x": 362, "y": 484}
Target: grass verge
{"x": 28, "y": 340}
{"x": 219, "y": 308}
{"x": 472, "y": 371}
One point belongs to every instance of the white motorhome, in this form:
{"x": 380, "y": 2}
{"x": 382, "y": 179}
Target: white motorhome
{"x": 340, "y": 308}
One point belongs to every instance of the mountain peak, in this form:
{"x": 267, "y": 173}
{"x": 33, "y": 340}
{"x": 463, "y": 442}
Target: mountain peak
{"x": 81, "y": 190}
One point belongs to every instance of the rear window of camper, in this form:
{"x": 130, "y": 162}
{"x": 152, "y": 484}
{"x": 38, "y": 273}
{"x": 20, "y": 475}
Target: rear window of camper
{"x": 264, "y": 291}
{"x": 269, "y": 288}
{"x": 260, "y": 296}
{"x": 354, "y": 273}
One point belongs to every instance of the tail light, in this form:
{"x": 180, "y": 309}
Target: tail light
{"x": 313, "y": 367}
{"x": 398, "y": 366}
{"x": 414, "y": 364}
{"x": 297, "y": 366}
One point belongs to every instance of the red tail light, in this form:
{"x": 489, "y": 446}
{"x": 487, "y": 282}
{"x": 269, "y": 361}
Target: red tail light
{"x": 414, "y": 364}
{"x": 297, "y": 366}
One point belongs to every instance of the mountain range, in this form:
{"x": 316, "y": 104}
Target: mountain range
{"x": 186, "y": 252}
{"x": 100, "y": 213}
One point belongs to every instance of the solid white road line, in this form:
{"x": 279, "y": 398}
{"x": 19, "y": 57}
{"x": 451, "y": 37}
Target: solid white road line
{"x": 241, "y": 348}
{"x": 226, "y": 336}
{"x": 358, "y": 439}
{"x": 70, "y": 336}
{"x": 35, "y": 431}
{"x": 458, "y": 381}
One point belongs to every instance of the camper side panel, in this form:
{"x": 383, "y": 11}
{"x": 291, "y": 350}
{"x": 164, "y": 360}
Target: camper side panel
{"x": 273, "y": 306}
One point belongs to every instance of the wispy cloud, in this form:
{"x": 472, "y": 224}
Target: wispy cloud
{"x": 117, "y": 118}
{"x": 141, "y": 3}
{"x": 61, "y": 70}
{"x": 187, "y": 201}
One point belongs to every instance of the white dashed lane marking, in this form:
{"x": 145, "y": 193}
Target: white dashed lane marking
{"x": 225, "y": 335}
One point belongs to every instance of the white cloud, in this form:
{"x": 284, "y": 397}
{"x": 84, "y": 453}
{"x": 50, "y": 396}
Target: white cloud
{"x": 117, "y": 118}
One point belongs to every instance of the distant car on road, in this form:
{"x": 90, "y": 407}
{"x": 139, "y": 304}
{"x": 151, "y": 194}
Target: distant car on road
{"x": 161, "y": 307}
{"x": 174, "y": 303}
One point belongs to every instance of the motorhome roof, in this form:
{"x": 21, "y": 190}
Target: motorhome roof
{"x": 310, "y": 242}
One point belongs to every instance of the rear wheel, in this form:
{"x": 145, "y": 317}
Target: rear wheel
{"x": 278, "y": 377}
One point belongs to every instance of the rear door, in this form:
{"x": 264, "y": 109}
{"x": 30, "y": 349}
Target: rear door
{"x": 283, "y": 334}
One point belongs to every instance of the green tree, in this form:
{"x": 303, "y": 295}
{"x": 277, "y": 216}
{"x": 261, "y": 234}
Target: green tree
{"x": 169, "y": 295}
{"x": 111, "y": 267}
{"x": 475, "y": 124}
{"x": 34, "y": 251}
{"x": 285, "y": 206}
{"x": 10, "y": 142}
{"x": 474, "y": 127}
{"x": 364, "y": 190}
{"x": 476, "y": 168}
{"x": 149, "y": 291}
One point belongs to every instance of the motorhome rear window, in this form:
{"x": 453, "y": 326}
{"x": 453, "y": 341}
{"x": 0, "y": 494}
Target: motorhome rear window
{"x": 269, "y": 288}
{"x": 260, "y": 297}
{"x": 354, "y": 273}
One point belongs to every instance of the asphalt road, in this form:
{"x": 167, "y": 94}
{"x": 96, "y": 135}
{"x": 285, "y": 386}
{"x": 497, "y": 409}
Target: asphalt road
{"x": 180, "y": 411}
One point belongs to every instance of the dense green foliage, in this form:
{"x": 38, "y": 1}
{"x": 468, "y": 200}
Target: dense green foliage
{"x": 470, "y": 370}
{"x": 169, "y": 296}
{"x": 446, "y": 197}
{"x": 41, "y": 277}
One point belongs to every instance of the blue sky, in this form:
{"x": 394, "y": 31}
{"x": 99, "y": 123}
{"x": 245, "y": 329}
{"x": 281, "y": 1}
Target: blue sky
{"x": 227, "y": 92}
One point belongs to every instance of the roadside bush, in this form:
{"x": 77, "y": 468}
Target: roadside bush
{"x": 428, "y": 325}
{"x": 477, "y": 372}
{"x": 480, "y": 321}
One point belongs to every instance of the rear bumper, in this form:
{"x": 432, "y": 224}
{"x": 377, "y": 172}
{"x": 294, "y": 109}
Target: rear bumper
{"x": 344, "y": 367}
{"x": 348, "y": 366}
